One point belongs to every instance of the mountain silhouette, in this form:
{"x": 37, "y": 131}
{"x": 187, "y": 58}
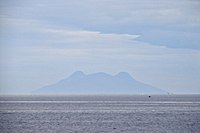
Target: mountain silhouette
{"x": 99, "y": 83}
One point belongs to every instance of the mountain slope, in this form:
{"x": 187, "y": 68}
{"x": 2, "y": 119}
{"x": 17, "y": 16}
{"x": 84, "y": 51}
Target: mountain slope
{"x": 99, "y": 83}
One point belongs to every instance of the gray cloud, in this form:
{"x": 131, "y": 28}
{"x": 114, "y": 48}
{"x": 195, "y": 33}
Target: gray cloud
{"x": 44, "y": 41}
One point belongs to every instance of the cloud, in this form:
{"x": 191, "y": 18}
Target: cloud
{"x": 44, "y": 41}
{"x": 90, "y": 35}
{"x": 165, "y": 21}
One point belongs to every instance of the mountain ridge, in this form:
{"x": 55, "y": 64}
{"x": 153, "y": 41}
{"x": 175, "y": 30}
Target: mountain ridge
{"x": 99, "y": 83}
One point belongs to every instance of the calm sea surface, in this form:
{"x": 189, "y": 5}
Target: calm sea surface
{"x": 100, "y": 114}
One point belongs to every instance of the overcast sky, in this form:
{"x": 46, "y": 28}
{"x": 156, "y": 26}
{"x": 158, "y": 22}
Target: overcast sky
{"x": 44, "y": 41}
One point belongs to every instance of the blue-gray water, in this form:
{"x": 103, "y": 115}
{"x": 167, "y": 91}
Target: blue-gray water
{"x": 100, "y": 114}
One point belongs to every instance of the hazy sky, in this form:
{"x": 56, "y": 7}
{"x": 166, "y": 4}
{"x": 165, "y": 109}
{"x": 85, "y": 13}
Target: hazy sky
{"x": 156, "y": 41}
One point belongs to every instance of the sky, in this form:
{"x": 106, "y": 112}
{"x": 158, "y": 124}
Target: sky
{"x": 155, "y": 41}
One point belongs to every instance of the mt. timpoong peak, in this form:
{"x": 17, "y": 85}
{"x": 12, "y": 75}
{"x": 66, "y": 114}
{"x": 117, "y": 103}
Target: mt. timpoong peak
{"x": 99, "y": 83}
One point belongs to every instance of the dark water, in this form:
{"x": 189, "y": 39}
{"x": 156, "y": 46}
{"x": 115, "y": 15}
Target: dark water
{"x": 100, "y": 114}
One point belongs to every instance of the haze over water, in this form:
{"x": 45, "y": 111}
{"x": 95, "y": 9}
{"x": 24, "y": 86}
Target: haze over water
{"x": 42, "y": 42}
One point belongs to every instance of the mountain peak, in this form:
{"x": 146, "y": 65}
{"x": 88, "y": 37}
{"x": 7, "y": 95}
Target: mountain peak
{"x": 123, "y": 75}
{"x": 100, "y": 83}
{"x": 77, "y": 74}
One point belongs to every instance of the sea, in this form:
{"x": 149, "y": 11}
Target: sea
{"x": 100, "y": 114}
